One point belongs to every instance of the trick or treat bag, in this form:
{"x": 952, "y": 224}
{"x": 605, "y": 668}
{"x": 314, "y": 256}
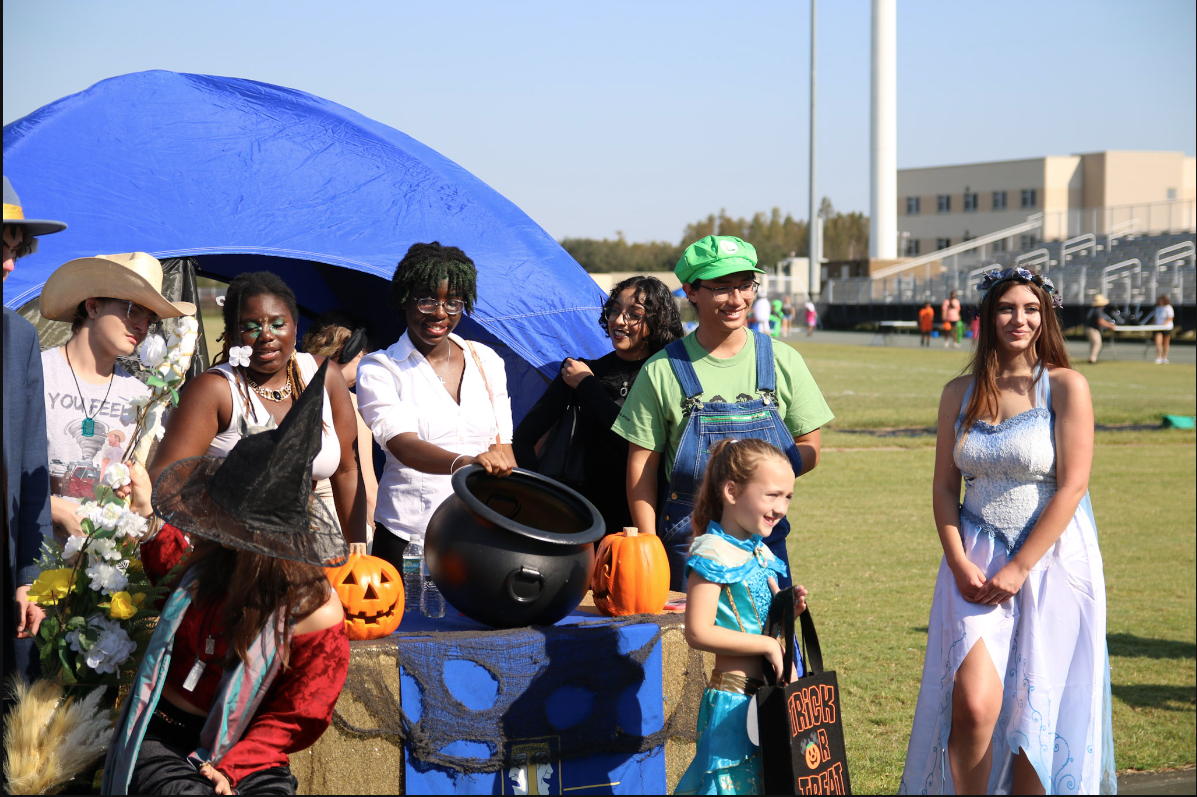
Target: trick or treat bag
{"x": 800, "y": 727}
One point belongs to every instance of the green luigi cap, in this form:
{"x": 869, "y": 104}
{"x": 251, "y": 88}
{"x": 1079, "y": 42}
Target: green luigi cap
{"x": 716, "y": 256}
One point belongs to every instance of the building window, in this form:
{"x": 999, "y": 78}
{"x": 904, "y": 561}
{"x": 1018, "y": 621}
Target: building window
{"x": 1029, "y": 198}
{"x": 912, "y": 206}
{"x": 999, "y": 246}
{"x": 970, "y": 202}
{"x": 943, "y": 203}
{"x": 912, "y": 247}
{"x": 1171, "y": 194}
{"x": 999, "y": 200}
{"x": 943, "y": 243}
{"x": 1026, "y": 241}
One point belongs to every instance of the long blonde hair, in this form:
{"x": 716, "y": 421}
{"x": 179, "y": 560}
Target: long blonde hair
{"x": 1047, "y": 346}
{"x": 731, "y": 460}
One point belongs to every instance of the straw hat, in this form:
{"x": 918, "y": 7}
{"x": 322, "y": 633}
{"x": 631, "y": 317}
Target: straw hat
{"x": 1099, "y": 300}
{"x": 135, "y": 277}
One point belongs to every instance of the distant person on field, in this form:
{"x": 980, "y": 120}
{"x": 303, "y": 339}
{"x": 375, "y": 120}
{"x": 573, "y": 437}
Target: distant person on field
{"x": 974, "y": 324}
{"x": 720, "y": 380}
{"x": 787, "y": 314}
{"x": 1095, "y": 321}
{"x": 26, "y": 468}
{"x": 761, "y": 310}
{"x": 812, "y": 317}
{"x": 1163, "y": 315}
{"x": 926, "y": 321}
{"x": 950, "y": 313}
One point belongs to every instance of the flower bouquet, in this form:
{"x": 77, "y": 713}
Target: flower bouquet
{"x": 100, "y": 605}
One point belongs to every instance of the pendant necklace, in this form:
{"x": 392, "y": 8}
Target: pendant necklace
{"x": 89, "y": 421}
{"x": 270, "y": 393}
{"x": 444, "y": 368}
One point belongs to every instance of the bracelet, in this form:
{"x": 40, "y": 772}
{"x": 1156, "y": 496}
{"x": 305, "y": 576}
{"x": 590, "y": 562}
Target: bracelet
{"x": 153, "y": 526}
{"x": 453, "y": 464}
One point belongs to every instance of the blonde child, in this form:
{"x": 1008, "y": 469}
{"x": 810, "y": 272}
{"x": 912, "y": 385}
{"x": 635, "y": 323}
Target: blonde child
{"x": 745, "y": 492}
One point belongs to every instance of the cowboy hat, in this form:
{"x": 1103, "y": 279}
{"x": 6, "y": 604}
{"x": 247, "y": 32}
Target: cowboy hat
{"x": 14, "y": 214}
{"x": 1099, "y": 300}
{"x": 134, "y": 277}
{"x": 260, "y": 497}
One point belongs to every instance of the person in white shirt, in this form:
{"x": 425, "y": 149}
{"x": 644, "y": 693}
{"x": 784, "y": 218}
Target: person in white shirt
{"x": 761, "y": 310}
{"x": 434, "y": 401}
{"x": 1162, "y": 316}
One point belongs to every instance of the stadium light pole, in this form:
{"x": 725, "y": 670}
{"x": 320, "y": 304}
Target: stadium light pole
{"x": 814, "y": 233}
{"x": 883, "y": 155}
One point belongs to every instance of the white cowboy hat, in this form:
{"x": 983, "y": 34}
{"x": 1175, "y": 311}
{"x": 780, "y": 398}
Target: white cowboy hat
{"x": 1099, "y": 300}
{"x": 134, "y": 277}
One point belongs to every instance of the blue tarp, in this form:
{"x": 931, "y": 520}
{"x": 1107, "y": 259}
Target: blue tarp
{"x": 247, "y": 176}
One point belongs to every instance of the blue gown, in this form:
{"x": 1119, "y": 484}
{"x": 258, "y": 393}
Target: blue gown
{"x": 725, "y": 760}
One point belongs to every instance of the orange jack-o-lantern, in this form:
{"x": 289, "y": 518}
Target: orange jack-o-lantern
{"x": 813, "y": 757}
{"x": 631, "y": 574}
{"x": 371, "y": 591}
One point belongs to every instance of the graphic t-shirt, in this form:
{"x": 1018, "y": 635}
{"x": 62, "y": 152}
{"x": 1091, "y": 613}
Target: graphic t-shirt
{"x": 652, "y": 417}
{"x": 76, "y": 459}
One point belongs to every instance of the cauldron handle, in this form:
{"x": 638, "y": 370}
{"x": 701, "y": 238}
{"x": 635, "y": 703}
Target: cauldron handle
{"x": 524, "y": 573}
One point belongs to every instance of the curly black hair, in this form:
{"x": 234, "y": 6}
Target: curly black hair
{"x": 660, "y": 310}
{"x": 426, "y": 266}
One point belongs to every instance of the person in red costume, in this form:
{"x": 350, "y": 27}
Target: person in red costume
{"x": 250, "y": 653}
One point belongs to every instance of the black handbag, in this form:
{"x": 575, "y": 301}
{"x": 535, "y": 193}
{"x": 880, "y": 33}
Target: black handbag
{"x": 801, "y": 724}
{"x": 563, "y": 457}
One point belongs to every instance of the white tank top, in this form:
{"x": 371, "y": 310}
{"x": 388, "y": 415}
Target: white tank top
{"x": 326, "y": 461}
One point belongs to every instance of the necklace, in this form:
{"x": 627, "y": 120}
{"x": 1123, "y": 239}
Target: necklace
{"x": 268, "y": 393}
{"x": 444, "y": 368}
{"x": 89, "y": 421}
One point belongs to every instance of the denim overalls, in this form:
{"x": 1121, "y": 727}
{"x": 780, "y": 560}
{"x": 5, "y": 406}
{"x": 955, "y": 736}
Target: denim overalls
{"x": 707, "y": 424}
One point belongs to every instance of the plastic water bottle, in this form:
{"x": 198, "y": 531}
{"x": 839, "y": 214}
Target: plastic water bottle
{"x": 413, "y": 576}
{"x": 432, "y": 602}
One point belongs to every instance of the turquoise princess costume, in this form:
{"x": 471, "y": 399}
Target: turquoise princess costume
{"x": 725, "y": 760}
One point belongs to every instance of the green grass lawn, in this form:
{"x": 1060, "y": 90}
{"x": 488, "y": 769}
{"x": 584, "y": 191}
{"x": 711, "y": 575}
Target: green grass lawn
{"x": 864, "y": 544}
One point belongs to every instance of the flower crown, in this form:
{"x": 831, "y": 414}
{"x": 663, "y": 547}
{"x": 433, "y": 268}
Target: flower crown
{"x": 992, "y": 278}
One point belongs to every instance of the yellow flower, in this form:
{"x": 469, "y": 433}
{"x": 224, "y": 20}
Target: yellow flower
{"x": 123, "y": 605}
{"x": 135, "y": 566}
{"x": 51, "y": 586}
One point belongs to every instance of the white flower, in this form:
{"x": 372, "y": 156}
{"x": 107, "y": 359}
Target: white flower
{"x": 72, "y": 548}
{"x": 101, "y": 549}
{"x": 117, "y": 475}
{"x": 131, "y": 524}
{"x": 112, "y": 649}
{"x": 152, "y": 351}
{"x": 187, "y": 325}
{"x": 159, "y": 432}
{"x": 133, "y": 409}
{"x": 239, "y": 355}
{"x": 104, "y": 577}
{"x": 187, "y": 344}
{"x": 102, "y": 517}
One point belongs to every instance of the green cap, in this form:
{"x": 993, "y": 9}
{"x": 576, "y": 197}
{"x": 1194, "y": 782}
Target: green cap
{"x": 716, "y": 256}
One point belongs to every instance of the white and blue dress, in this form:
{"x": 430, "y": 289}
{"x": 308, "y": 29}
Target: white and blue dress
{"x": 1048, "y": 642}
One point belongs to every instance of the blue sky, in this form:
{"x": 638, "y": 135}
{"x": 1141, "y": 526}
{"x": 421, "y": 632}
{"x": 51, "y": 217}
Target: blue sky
{"x": 642, "y": 116}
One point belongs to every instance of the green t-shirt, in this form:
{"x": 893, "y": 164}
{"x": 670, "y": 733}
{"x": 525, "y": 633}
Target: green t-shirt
{"x": 652, "y": 414}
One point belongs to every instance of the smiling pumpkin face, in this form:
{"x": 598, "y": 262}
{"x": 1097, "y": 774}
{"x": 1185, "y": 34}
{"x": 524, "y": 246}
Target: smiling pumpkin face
{"x": 371, "y": 591}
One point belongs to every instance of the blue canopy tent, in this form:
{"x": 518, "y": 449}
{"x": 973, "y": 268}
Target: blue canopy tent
{"x": 247, "y": 176}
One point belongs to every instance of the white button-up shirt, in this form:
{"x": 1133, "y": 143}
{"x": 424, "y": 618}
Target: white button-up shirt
{"x": 398, "y": 391}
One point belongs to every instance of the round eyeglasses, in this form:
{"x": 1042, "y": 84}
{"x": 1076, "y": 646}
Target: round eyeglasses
{"x": 428, "y": 306}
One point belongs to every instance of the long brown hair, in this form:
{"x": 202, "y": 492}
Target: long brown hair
{"x": 1047, "y": 346}
{"x": 253, "y": 587}
{"x": 731, "y": 460}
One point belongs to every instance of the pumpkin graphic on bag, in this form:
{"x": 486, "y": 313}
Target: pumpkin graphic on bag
{"x": 631, "y": 574}
{"x": 371, "y": 591}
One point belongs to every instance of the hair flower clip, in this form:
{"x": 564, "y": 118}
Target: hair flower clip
{"x": 239, "y": 355}
{"x": 995, "y": 276}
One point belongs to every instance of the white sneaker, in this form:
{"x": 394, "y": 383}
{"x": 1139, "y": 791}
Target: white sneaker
{"x": 1159, "y": 361}
{"x": 1165, "y": 361}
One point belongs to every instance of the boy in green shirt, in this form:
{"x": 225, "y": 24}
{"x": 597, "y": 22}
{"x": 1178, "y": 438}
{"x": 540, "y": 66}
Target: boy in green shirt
{"x": 719, "y": 381}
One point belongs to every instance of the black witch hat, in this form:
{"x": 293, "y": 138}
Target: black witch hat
{"x": 259, "y": 498}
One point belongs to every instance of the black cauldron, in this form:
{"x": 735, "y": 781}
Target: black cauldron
{"x": 512, "y": 551}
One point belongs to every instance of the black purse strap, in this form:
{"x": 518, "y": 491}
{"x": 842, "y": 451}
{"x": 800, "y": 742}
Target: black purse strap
{"x": 781, "y": 622}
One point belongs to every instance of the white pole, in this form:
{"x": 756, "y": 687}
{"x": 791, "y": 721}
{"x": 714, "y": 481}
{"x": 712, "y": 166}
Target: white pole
{"x": 814, "y": 231}
{"x": 884, "y": 133}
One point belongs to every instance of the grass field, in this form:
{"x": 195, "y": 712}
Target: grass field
{"x": 864, "y": 544}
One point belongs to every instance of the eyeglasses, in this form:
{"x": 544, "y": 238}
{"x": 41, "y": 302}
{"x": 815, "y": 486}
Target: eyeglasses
{"x": 725, "y": 291}
{"x": 137, "y": 314}
{"x": 428, "y": 306}
{"x": 632, "y": 319}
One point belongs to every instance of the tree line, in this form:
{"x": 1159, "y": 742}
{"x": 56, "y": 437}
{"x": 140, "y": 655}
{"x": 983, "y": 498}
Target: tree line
{"x": 845, "y": 237}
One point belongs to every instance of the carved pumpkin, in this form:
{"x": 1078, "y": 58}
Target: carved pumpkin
{"x": 631, "y": 574}
{"x": 371, "y": 591}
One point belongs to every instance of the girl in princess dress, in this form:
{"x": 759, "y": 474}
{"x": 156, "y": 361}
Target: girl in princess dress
{"x": 730, "y": 573}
